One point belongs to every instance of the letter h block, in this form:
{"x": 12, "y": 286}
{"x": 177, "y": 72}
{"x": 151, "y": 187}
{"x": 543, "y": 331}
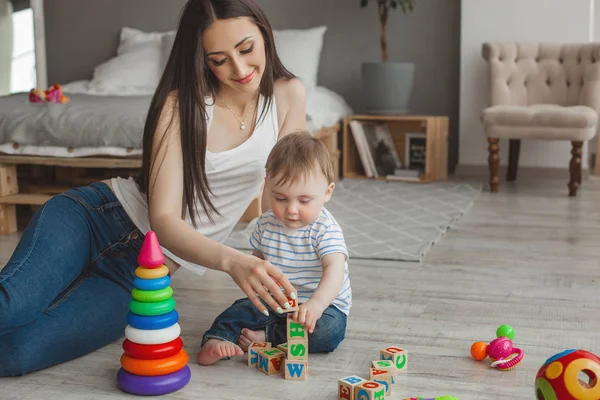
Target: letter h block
{"x": 297, "y": 341}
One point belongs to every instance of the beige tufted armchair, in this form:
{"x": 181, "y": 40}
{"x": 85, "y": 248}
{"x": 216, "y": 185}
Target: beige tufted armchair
{"x": 541, "y": 91}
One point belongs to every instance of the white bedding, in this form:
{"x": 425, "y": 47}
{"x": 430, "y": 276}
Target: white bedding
{"x": 323, "y": 108}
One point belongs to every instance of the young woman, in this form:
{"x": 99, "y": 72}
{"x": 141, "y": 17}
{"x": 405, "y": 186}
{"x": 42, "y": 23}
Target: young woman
{"x": 223, "y": 101}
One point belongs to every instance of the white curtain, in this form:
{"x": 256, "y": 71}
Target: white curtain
{"x": 6, "y": 45}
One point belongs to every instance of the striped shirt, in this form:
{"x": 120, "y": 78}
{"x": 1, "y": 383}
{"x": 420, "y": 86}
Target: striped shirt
{"x": 298, "y": 253}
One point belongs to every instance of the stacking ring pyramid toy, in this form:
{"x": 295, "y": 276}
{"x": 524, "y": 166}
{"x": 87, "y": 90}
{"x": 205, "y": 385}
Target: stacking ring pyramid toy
{"x": 154, "y": 361}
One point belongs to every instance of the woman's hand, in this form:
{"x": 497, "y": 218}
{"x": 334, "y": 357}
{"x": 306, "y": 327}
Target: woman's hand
{"x": 308, "y": 314}
{"x": 260, "y": 279}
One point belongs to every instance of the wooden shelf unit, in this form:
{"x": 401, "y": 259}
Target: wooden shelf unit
{"x": 434, "y": 127}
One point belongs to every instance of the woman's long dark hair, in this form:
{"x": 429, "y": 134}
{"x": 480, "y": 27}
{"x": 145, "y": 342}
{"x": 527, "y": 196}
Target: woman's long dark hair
{"x": 187, "y": 74}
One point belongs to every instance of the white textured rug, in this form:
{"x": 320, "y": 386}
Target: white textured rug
{"x": 390, "y": 220}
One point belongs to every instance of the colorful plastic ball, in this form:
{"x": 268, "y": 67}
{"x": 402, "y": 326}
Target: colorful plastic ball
{"x": 505, "y": 330}
{"x": 570, "y": 375}
{"x": 479, "y": 351}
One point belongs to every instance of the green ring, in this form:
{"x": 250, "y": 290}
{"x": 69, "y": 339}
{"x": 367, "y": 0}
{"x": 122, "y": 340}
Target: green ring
{"x": 152, "y": 309}
{"x": 152, "y": 296}
{"x": 545, "y": 388}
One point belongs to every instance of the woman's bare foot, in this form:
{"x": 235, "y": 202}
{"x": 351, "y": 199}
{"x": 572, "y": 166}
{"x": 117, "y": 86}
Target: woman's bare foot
{"x": 215, "y": 349}
{"x": 249, "y": 336}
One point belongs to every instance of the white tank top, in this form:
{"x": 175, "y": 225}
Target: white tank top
{"x": 235, "y": 177}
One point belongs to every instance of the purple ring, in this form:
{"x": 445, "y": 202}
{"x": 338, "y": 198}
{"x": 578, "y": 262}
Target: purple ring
{"x": 153, "y": 385}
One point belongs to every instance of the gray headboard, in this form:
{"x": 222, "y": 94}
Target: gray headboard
{"x": 81, "y": 34}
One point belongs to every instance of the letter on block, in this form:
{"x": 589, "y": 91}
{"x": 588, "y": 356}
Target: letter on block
{"x": 253, "y": 352}
{"x": 347, "y": 385}
{"x": 383, "y": 377}
{"x": 296, "y": 370}
{"x": 295, "y": 331}
{"x": 396, "y": 355}
{"x": 386, "y": 365}
{"x": 293, "y": 305}
{"x": 369, "y": 390}
{"x": 298, "y": 350}
{"x": 270, "y": 361}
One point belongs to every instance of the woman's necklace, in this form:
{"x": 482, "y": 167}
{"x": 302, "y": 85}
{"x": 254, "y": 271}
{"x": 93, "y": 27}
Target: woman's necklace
{"x": 241, "y": 121}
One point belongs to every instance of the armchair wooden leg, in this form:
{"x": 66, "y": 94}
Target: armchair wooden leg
{"x": 513, "y": 159}
{"x": 575, "y": 167}
{"x": 494, "y": 163}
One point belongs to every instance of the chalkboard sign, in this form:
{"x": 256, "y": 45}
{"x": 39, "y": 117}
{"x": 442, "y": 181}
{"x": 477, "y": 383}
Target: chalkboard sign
{"x": 415, "y": 154}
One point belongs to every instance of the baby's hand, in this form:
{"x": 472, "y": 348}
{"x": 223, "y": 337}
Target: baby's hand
{"x": 308, "y": 314}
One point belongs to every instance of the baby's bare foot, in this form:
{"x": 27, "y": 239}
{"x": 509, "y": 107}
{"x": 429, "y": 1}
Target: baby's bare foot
{"x": 249, "y": 336}
{"x": 215, "y": 349}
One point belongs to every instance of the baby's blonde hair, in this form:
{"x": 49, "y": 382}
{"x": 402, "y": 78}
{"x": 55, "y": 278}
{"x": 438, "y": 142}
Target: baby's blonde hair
{"x": 296, "y": 156}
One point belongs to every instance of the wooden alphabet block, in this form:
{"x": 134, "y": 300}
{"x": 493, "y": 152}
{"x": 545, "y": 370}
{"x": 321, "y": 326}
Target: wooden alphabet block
{"x": 369, "y": 390}
{"x": 383, "y": 377}
{"x": 298, "y": 350}
{"x": 347, "y": 385}
{"x": 296, "y": 370}
{"x": 283, "y": 347}
{"x": 295, "y": 331}
{"x": 270, "y": 361}
{"x": 253, "y": 352}
{"x": 396, "y": 355}
{"x": 386, "y": 365}
{"x": 293, "y": 305}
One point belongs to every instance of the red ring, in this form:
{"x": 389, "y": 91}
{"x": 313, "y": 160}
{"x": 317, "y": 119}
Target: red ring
{"x": 152, "y": 351}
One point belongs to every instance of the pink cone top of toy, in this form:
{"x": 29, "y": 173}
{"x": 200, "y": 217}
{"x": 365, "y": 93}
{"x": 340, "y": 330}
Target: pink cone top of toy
{"x": 150, "y": 254}
{"x": 500, "y": 348}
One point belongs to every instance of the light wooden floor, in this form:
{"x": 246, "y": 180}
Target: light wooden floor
{"x": 527, "y": 256}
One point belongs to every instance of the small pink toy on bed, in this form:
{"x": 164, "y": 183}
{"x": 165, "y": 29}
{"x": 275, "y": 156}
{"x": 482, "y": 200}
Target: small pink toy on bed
{"x": 37, "y": 95}
{"x": 53, "y": 94}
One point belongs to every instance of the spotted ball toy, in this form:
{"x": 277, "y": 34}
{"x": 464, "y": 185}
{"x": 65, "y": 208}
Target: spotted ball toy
{"x": 500, "y": 350}
{"x": 570, "y": 375}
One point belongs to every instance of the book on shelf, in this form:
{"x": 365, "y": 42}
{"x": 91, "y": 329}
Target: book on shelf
{"x": 376, "y": 148}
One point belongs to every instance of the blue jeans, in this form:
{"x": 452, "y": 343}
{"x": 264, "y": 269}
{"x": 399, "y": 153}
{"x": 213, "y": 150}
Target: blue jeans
{"x": 329, "y": 331}
{"x": 66, "y": 289}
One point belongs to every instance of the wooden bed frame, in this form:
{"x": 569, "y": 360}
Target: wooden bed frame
{"x": 32, "y": 180}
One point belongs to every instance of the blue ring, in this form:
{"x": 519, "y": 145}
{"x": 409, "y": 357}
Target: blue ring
{"x": 154, "y": 322}
{"x": 152, "y": 284}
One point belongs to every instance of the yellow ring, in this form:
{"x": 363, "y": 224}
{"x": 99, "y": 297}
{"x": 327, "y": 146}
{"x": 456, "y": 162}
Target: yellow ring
{"x": 151, "y": 273}
{"x": 572, "y": 381}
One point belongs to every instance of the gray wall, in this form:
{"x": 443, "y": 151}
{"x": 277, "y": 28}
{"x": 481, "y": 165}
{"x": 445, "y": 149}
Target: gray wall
{"x": 83, "y": 33}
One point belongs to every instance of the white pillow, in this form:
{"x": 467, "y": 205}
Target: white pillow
{"x": 300, "y": 51}
{"x": 132, "y": 38}
{"x": 139, "y": 62}
{"x": 140, "y": 68}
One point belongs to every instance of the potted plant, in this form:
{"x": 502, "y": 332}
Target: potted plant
{"x": 387, "y": 86}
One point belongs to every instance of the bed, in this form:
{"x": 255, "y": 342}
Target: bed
{"x": 47, "y": 148}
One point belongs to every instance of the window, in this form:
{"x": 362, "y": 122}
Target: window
{"x": 23, "y": 77}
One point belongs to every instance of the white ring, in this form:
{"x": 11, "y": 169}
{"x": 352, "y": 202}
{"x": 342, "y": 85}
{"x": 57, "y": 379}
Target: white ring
{"x": 152, "y": 336}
